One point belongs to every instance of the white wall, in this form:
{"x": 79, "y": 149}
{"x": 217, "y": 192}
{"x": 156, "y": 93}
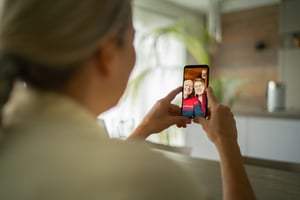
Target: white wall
{"x": 266, "y": 138}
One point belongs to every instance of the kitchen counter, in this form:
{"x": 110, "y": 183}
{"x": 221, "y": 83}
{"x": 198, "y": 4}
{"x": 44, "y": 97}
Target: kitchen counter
{"x": 262, "y": 112}
{"x": 273, "y": 136}
{"x": 268, "y": 182}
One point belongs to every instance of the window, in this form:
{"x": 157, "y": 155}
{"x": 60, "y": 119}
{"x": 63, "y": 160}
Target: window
{"x": 158, "y": 70}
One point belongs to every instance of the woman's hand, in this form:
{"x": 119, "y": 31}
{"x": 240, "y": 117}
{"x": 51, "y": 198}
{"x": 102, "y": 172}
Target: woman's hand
{"x": 221, "y": 130}
{"x": 162, "y": 115}
{"x": 220, "y": 125}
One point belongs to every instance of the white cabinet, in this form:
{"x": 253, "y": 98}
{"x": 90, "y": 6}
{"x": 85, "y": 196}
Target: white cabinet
{"x": 266, "y": 138}
{"x": 242, "y": 127}
{"x": 289, "y": 69}
{"x": 276, "y": 139}
{"x": 201, "y": 146}
{"x": 289, "y": 55}
{"x": 289, "y": 16}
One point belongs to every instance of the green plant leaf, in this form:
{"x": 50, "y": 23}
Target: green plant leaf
{"x": 217, "y": 87}
{"x": 134, "y": 84}
{"x": 196, "y": 44}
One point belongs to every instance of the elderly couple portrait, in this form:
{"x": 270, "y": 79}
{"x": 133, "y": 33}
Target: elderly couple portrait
{"x": 194, "y": 102}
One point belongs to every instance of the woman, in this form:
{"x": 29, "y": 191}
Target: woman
{"x": 74, "y": 58}
{"x": 199, "y": 88}
{"x": 190, "y": 105}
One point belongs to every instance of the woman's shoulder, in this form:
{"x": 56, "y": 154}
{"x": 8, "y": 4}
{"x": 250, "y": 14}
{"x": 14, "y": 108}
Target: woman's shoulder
{"x": 96, "y": 168}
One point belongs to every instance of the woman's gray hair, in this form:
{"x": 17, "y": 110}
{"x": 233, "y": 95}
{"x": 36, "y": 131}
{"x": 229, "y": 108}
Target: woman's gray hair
{"x": 40, "y": 37}
{"x": 59, "y": 32}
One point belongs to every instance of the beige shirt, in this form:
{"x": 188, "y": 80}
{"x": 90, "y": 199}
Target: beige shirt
{"x": 52, "y": 148}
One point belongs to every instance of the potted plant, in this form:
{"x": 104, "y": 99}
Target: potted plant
{"x": 199, "y": 44}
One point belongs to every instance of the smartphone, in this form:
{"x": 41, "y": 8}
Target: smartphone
{"x": 194, "y": 98}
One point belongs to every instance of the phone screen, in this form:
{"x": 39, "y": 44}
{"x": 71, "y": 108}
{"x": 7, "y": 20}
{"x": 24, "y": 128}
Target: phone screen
{"x": 194, "y": 98}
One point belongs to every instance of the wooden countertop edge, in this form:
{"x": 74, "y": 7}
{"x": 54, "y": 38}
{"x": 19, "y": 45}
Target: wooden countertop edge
{"x": 266, "y": 114}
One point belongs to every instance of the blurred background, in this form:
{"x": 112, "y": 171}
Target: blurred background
{"x": 246, "y": 43}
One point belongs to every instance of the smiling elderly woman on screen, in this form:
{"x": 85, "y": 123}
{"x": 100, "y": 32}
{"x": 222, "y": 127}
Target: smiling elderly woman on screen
{"x": 190, "y": 104}
{"x": 75, "y": 58}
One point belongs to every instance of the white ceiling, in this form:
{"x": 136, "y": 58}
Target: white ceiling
{"x": 226, "y": 5}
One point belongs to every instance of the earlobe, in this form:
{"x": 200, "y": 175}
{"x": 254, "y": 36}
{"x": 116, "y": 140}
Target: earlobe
{"x": 105, "y": 56}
